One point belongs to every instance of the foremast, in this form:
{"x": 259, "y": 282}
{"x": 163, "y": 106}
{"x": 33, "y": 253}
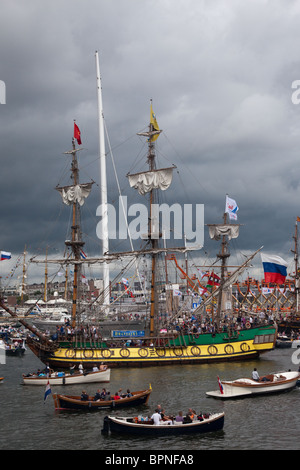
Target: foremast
{"x": 75, "y": 195}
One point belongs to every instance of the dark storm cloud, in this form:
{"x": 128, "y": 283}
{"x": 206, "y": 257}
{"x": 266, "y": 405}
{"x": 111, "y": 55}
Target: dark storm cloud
{"x": 220, "y": 75}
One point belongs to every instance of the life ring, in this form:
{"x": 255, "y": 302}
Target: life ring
{"x": 70, "y": 353}
{"x": 143, "y": 352}
{"x": 161, "y": 352}
{"x": 124, "y": 352}
{"x": 248, "y": 325}
{"x": 212, "y": 350}
{"x": 178, "y": 351}
{"x": 245, "y": 347}
{"x": 229, "y": 349}
{"x": 106, "y": 353}
{"x": 88, "y": 353}
{"x": 196, "y": 335}
{"x": 196, "y": 351}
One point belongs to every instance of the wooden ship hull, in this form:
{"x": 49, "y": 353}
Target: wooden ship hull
{"x": 69, "y": 402}
{"x": 187, "y": 349}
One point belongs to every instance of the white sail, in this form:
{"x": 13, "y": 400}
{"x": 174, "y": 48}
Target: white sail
{"x": 72, "y": 194}
{"x": 217, "y": 231}
{"x": 146, "y": 181}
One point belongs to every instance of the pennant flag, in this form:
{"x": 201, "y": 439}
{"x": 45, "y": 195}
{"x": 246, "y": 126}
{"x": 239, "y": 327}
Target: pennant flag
{"x": 5, "y": 255}
{"x": 47, "y": 391}
{"x": 220, "y": 386}
{"x": 154, "y": 124}
{"x": 231, "y": 208}
{"x": 298, "y": 219}
{"x": 275, "y": 268}
{"x": 125, "y": 281}
{"x": 77, "y": 134}
{"x": 82, "y": 254}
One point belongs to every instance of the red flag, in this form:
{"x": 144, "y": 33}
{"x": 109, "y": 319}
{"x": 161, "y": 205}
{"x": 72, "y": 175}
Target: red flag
{"x": 77, "y": 134}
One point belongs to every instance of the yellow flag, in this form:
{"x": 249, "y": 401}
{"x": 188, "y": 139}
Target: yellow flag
{"x": 153, "y": 121}
{"x": 298, "y": 219}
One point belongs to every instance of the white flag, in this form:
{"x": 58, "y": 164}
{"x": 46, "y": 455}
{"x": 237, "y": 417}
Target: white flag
{"x": 231, "y": 208}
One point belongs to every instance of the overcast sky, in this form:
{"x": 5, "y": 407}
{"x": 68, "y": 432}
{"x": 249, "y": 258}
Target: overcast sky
{"x": 220, "y": 76}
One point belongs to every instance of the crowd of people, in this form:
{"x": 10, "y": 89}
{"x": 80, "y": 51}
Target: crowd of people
{"x": 106, "y": 395}
{"x": 159, "y": 417}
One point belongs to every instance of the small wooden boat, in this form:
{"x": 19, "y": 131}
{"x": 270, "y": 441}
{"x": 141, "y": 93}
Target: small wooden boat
{"x": 69, "y": 402}
{"x": 130, "y": 425}
{"x": 60, "y": 378}
{"x": 272, "y": 383}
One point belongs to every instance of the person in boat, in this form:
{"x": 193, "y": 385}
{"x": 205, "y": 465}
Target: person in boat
{"x": 156, "y": 417}
{"x": 179, "y": 417}
{"x": 129, "y": 394}
{"x": 192, "y": 413}
{"x": 72, "y": 369}
{"x": 95, "y": 369}
{"x": 116, "y": 396}
{"x": 255, "y": 375}
{"x": 80, "y": 367}
{"x": 103, "y": 394}
{"x": 84, "y": 396}
{"x": 97, "y": 396}
{"x": 107, "y": 396}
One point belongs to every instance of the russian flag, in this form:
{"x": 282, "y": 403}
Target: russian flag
{"x": 47, "y": 391}
{"x": 275, "y": 268}
{"x": 5, "y": 255}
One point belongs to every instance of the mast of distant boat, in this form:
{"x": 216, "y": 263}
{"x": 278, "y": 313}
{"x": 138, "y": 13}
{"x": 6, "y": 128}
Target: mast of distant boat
{"x": 105, "y": 242}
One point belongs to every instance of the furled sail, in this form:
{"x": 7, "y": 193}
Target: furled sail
{"x": 217, "y": 231}
{"x": 146, "y": 181}
{"x": 77, "y": 193}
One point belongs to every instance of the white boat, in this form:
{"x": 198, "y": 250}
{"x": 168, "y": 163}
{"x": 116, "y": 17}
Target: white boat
{"x": 272, "y": 383}
{"x": 60, "y": 378}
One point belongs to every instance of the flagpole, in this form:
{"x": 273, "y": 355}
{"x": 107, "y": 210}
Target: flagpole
{"x": 103, "y": 186}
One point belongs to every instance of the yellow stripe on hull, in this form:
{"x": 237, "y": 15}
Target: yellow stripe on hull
{"x": 147, "y": 355}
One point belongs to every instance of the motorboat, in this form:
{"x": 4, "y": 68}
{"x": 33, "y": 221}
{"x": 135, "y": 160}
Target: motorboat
{"x": 132, "y": 425}
{"x": 61, "y": 378}
{"x": 271, "y": 383}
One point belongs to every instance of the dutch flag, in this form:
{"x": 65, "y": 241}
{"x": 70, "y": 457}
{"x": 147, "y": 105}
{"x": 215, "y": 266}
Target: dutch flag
{"x": 47, "y": 391}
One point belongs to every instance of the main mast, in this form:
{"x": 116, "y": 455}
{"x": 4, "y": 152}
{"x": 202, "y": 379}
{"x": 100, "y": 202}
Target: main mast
{"x": 105, "y": 242}
{"x": 147, "y": 182}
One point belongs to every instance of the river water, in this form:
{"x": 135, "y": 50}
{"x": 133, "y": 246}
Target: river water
{"x": 266, "y": 423}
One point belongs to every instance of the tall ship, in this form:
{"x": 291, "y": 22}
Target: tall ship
{"x": 158, "y": 344}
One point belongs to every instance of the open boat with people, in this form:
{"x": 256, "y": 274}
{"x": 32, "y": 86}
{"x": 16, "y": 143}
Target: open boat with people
{"x": 271, "y": 383}
{"x": 62, "y": 378}
{"x": 131, "y": 425}
{"x": 71, "y": 402}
